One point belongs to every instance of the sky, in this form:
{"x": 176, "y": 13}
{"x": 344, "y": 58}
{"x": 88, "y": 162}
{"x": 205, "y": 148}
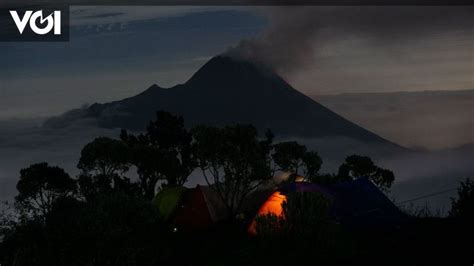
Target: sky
{"x": 116, "y": 52}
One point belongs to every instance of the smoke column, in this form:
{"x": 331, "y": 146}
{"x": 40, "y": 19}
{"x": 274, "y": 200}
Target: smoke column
{"x": 295, "y": 35}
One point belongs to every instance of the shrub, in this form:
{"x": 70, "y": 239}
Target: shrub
{"x": 463, "y": 206}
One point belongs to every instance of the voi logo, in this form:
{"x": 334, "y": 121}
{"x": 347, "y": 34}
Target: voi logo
{"x": 38, "y": 23}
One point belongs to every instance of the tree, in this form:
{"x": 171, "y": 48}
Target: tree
{"x": 104, "y": 157}
{"x": 168, "y": 133}
{"x": 233, "y": 161}
{"x": 152, "y": 166}
{"x": 312, "y": 164}
{"x": 111, "y": 229}
{"x": 164, "y": 152}
{"x": 91, "y": 186}
{"x": 40, "y": 185}
{"x": 463, "y": 206}
{"x": 103, "y": 163}
{"x": 288, "y": 156}
{"x": 356, "y": 166}
{"x": 294, "y": 158}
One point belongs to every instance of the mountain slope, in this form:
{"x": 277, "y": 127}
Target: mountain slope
{"x": 226, "y": 91}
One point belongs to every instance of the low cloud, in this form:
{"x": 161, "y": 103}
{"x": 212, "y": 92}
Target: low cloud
{"x": 430, "y": 120}
{"x": 24, "y": 142}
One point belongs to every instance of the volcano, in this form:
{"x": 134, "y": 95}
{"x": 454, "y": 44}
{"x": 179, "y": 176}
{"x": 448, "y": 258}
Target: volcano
{"x": 227, "y": 91}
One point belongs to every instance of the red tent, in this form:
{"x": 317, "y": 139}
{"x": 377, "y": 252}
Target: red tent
{"x": 199, "y": 209}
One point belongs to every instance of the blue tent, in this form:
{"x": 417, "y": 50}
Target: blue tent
{"x": 356, "y": 204}
{"x": 361, "y": 205}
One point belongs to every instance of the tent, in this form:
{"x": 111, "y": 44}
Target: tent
{"x": 168, "y": 199}
{"x": 361, "y": 206}
{"x": 198, "y": 210}
{"x": 273, "y": 204}
{"x": 358, "y": 205}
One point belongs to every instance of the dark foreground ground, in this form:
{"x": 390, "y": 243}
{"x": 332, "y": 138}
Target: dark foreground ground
{"x": 423, "y": 241}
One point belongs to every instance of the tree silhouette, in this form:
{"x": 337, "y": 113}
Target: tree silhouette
{"x": 162, "y": 153}
{"x": 289, "y": 156}
{"x": 233, "y": 161}
{"x": 312, "y": 164}
{"x": 463, "y": 206}
{"x": 103, "y": 163}
{"x": 40, "y": 185}
{"x": 294, "y": 158}
{"x": 356, "y": 166}
{"x": 104, "y": 157}
{"x": 169, "y": 134}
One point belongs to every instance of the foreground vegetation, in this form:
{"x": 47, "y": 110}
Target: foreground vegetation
{"x": 105, "y": 217}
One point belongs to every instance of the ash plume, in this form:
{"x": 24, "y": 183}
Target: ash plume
{"x": 297, "y": 37}
{"x": 287, "y": 43}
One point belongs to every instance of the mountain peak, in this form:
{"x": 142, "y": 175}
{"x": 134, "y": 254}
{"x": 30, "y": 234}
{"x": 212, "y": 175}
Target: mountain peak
{"x": 221, "y": 70}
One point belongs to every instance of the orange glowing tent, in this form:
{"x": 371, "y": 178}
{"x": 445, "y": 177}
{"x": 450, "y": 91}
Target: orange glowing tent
{"x": 271, "y": 206}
